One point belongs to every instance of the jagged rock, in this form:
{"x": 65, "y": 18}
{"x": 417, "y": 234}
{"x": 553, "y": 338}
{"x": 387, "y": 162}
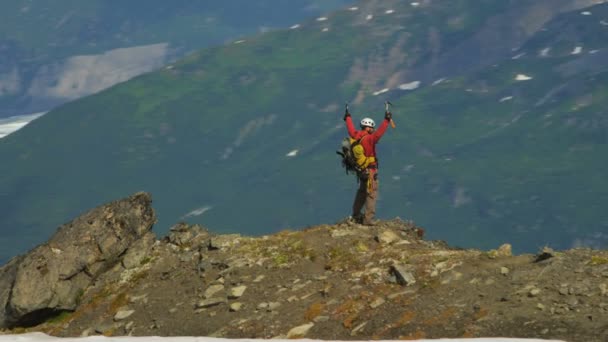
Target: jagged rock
{"x": 403, "y": 275}
{"x": 137, "y": 253}
{"x": 7, "y": 276}
{"x": 52, "y": 276}
{"x": 545, "y": 253}
{"x": 506, "y": 250}
{"x": 183, "y": 234}
{"x": 300, "y": 331}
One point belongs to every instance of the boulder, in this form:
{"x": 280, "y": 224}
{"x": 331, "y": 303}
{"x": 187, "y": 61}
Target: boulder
{"x": 137, "y": 253}
{"x": 53, "y": 276}
{"x": 183, "y": 234}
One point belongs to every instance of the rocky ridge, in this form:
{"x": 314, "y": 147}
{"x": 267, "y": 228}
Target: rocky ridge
{"x": 340, "y": 281}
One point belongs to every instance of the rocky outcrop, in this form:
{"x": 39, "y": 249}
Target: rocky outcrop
{"x": 53, "y": 276}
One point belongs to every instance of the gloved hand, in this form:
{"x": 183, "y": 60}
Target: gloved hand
{"x": 346, "y": 114}
{"x": 388, "y": 116}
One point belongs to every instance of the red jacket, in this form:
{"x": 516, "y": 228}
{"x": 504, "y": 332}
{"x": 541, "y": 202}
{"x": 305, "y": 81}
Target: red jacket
{"x": 369, "y": 142}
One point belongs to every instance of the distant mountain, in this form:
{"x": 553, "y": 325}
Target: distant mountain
{"x": 499, "y": 105}
{"x": 51, "y": 53}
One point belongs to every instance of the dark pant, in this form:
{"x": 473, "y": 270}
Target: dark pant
{"x": 366, "y": 196}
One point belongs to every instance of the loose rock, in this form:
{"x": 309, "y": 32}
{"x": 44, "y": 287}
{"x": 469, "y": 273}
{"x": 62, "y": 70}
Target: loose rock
{"x": 403, "y": 275}
{"x": 237, "y": 292}
{"x": 212, "y": 290}
{"x": 123, "y": 314}
{"x": 210, "y": 302}
{"x": 300, "y": 331}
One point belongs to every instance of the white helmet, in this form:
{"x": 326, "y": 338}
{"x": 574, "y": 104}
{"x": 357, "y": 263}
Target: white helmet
{"x": 367, "y": 122}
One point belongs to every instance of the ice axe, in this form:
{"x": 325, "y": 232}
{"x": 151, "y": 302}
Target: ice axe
{"x": 387, "y": 105}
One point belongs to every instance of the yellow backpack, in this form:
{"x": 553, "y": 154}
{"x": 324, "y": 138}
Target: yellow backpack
{"x": 353, "y": 156}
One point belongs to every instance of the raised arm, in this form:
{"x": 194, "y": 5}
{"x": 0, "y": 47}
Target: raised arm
{"x": 380, "y": 131}
{"x": 352, "y": 131}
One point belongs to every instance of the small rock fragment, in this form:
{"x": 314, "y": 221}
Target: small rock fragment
{"x": 273, "y": 306}
{"x": 376, "y": 303}
{"x": 403, "y": 275}
{"x": 504, "y": 250}
{"x": 358, "y": 328}
{"x": 123, "y": 314}
{"x": 545, "y": 253}
{"x": 387, "y": 237}
{"x": 234, "y": 307}
{"x": 504, "y": 271}
{"x": 300, "y": 331}
{"x": 212, "y": 290}
{"x": 237, "y": 292}
{"x": 207, "y": 303}
{"x": 534, "y": 292}
{"x": 321, "y": 319}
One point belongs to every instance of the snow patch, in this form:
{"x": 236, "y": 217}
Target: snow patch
{"x": 240, "y": 41}
{"x": 592, "y": 52}
{"x": 325, "y": 29}
{"x": 544, "y": 52}
{"x": 586, "y": 13}
{"x": 603, "y": 22}
{"x": 522, "y": 77}
{"x": 296, "y": 26}
{"x": 79, "y": 76}
{"x": 506, "y": 98}
{"x": 353, "y": 9}
{"x": 292, "y": 153}
{"x": 439, "y": 81}
{"x": 410, "y": 86}
{"x": 577, "y": 50}
{"x": 369, "y": 17}
{"x": 415, "y": 4}
{"x": 382, "y": 91}
{"x": 519, "y": 56}
{"x": 390, "y": 11}
{"x": 396, "y": 178}
{"x": 321, "y": 18}
{"x": 197, "y": 212}
{"x": 15, "y": 123}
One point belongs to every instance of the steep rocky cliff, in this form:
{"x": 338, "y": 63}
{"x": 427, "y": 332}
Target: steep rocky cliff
{"x": 340, "y": 281}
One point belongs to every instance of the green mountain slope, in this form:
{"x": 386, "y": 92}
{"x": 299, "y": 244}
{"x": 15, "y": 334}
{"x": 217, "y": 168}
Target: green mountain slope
{"x": 509, "y": 148}
{"x": 40, "y": 40}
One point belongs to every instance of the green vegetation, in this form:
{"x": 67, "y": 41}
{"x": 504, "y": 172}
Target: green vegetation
{"x": 478, "y": 160}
